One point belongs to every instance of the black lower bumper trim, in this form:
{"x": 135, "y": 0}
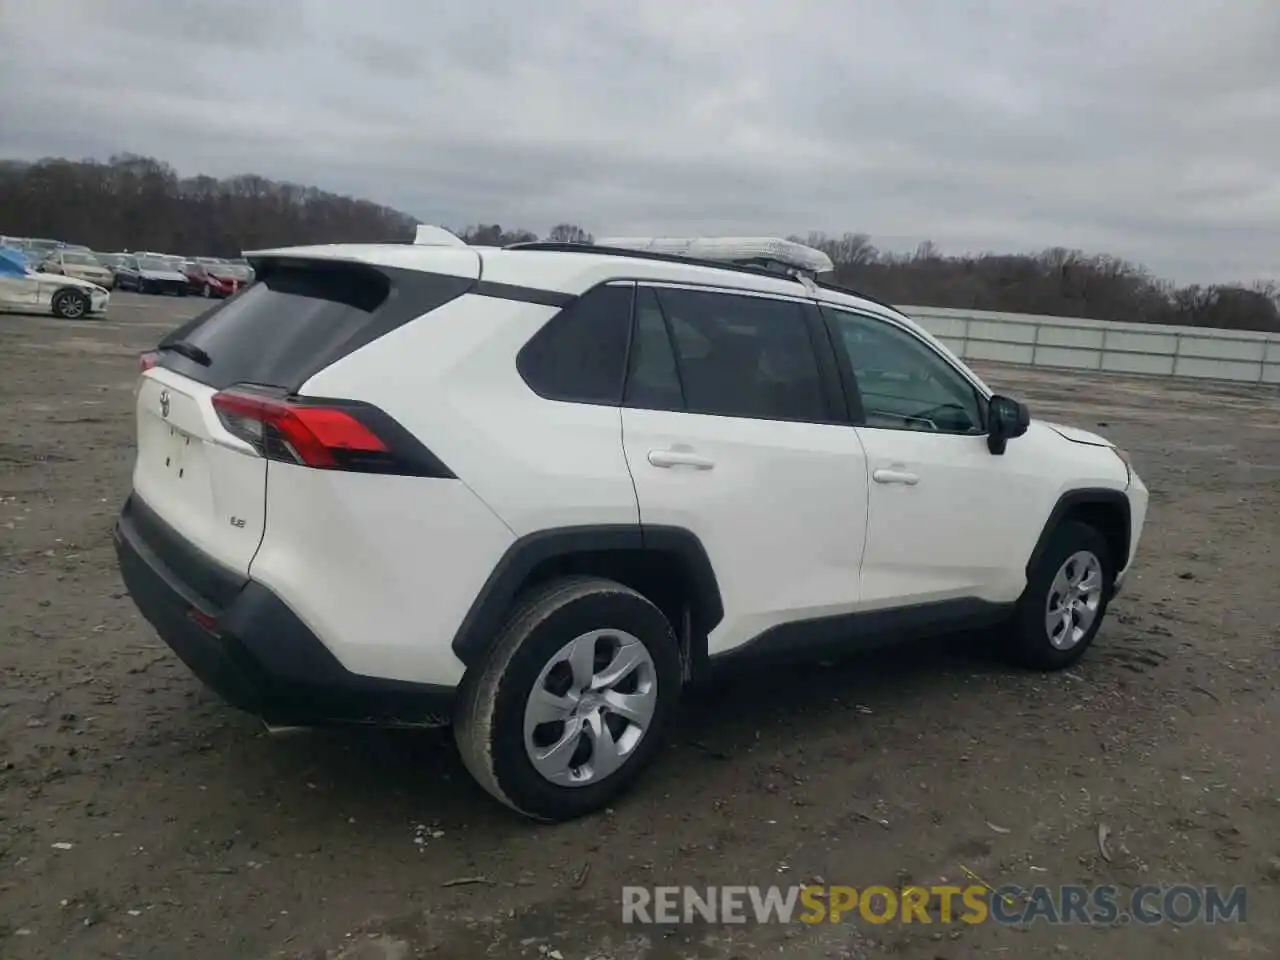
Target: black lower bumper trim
{"x": 252, "y": 650}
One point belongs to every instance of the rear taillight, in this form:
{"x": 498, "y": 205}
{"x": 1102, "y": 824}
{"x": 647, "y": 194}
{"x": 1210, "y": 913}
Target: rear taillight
{"x": 147, "y": 360}
{"x": 324, "y": 436}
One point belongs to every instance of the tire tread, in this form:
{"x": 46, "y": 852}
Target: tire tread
{"x": 473, "y": 724}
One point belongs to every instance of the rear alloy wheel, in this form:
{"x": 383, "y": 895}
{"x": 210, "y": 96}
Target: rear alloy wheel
{"x": 70, "y": 304}
{"x": 1066, "y": 599}
{"x": 571, "y": 704}
{"x": 206, "y": 292}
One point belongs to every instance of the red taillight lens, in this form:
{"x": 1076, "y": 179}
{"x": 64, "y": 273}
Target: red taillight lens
{"x": 312, "y": 435}
{"x": 147, "y": 360}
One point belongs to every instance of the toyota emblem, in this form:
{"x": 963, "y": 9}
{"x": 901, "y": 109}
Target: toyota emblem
{"x": 164, "y": 404}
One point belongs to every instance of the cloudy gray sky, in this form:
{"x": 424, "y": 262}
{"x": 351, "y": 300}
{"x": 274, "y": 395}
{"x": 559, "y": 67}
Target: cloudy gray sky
{"x": 1146, "y": 128}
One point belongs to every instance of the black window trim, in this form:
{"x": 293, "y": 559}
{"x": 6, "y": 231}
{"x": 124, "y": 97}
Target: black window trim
{"x": 837, "y": 412}
{"x": 635, "y": 332}
{"x": 850, "y": 380}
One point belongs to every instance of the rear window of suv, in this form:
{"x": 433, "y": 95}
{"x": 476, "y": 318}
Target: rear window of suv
{"x": 297, "y": 320}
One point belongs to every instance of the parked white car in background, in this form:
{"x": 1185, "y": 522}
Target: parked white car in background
{"x": 23, "y": 290}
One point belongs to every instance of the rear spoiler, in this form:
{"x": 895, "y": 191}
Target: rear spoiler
{"x": 425, "y": 236}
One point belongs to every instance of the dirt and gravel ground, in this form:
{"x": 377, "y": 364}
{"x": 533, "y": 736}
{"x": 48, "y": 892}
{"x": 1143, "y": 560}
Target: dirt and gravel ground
{"x": 141, "y": 818}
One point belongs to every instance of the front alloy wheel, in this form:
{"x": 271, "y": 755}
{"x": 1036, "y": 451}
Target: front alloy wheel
{"x": 1065, "y": 600}
{"x": 1075, "y": 597}
{"x": 70, "y": 305}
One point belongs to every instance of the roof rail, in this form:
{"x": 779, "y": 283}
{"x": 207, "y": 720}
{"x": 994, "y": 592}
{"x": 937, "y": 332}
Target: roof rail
{"x": 773, "y": 252}
{"x": 840, "y": 288}
{"x": 613, "y": 251}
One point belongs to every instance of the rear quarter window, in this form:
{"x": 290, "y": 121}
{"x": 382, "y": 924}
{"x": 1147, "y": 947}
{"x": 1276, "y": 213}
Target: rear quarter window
{"x": 580, "y": 355}
{"x": 298, "y": 319}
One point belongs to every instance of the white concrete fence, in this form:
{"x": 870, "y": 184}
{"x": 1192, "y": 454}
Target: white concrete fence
{"x": 1242, "y": 356}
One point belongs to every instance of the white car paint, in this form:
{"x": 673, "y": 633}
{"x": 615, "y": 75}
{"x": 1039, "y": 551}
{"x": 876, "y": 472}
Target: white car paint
{"x": 1076, "y": 435}
{"x": 33, "y": 292}
{"x": 800, "y": 520}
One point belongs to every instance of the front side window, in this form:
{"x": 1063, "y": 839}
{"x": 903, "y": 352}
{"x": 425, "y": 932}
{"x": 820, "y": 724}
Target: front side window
{"x": 743, "y": 356}
{"x": 904, "y": 384}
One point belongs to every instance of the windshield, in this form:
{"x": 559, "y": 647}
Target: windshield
{"x": 81, "y": 259}
{"x": 151, "y": 263}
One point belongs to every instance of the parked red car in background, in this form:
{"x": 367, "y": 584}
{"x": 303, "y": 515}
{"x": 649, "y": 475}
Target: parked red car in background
{"x": 212, "y": 278}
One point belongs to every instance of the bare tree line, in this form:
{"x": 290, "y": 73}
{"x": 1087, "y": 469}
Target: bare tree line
{"x": 133, "y": 202}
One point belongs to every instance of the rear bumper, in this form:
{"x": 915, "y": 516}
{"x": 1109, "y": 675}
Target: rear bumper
{"x": 242, "y": 641}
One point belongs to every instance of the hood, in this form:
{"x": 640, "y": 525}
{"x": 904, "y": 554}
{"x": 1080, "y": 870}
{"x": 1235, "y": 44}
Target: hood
{"x": 163, "y": 275}
{"x": 74, "y": 282}
{"x": 1076, "y": 435}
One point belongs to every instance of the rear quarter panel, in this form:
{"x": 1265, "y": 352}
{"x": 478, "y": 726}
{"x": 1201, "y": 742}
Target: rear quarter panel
{"x": 451, "y": 379}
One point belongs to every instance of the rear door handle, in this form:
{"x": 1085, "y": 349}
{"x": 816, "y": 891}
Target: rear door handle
{"x": 679, "y": 458}
{"x": 895, "y": 476}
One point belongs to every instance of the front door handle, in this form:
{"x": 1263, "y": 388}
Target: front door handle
{"x": 679, "y": 458}
{"x": 895, "y": 476}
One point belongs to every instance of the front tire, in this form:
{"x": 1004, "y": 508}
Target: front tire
{"x": 571, "y": 703}
{"x": 70, "y": 305}
{"x": 1067, "y": 593}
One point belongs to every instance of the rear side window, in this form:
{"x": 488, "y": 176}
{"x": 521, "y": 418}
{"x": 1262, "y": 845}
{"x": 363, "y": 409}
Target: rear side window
{"x": 743, "y": 356}
{"x": 580, "y": 355}
{"x": 297, "y": 320}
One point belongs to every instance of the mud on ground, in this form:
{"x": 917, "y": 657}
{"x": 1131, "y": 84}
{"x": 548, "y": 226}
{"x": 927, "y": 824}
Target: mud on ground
{"x": 140, "y": 818}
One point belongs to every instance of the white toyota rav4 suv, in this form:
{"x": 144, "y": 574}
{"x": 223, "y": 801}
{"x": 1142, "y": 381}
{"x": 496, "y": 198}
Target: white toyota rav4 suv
{"x": 535, "y": 491}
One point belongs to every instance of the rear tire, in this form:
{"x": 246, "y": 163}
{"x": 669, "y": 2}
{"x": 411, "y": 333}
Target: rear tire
{"x": 580, "y": 651}
{"x": 70, "y": 305}
{"x": 1062, "y": 608}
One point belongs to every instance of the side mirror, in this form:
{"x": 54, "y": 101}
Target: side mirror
{"x": 1006, "y": 419}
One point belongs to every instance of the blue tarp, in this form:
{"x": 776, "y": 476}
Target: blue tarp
{"x": 12, "y": 263}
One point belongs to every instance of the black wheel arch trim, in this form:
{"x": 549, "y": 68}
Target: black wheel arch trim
{"x": 1102, "y": 496}
{"x": 484, "y": 620}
